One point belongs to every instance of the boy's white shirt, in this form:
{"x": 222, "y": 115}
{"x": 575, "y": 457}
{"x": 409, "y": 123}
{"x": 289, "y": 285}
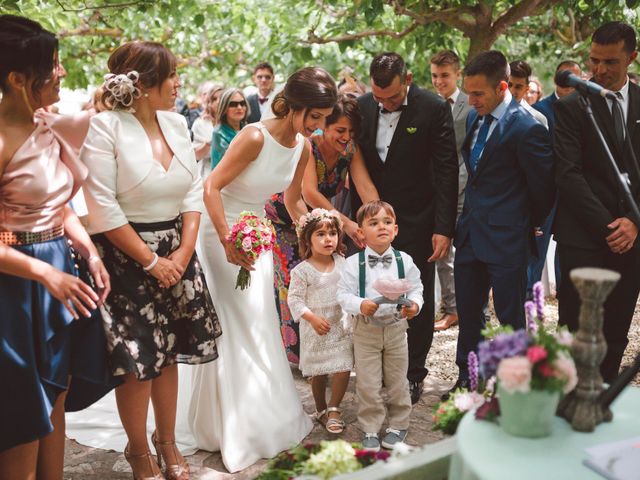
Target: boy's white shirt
{"x": 349, "y": 284}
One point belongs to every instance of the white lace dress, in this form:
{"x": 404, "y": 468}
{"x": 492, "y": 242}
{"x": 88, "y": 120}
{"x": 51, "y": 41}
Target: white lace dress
{"x": 316, "y": 291}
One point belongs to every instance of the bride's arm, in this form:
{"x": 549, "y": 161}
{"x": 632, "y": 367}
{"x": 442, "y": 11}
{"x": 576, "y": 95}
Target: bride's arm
{"x": 242, "y": 151}
{"x": 293, "y": 194}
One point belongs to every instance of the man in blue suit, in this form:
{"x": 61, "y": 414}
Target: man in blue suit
{"x": 543, "y": 235}
{"x": 509, "y": 191}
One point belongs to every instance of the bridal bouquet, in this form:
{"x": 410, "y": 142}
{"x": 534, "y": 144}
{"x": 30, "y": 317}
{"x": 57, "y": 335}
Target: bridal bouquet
{"x": 251, "y": 236}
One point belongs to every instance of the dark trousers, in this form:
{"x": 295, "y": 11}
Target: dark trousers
{"x": 420, "y": 332}
{"x": 619, "y": 306}
{"x": 536, "y": 264}
{"x": 473, "y": 279}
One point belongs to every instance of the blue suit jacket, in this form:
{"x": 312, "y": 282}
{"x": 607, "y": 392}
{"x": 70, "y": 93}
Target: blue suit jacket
{"x": 545, "y": 106}
{"x": 511, "y": 191}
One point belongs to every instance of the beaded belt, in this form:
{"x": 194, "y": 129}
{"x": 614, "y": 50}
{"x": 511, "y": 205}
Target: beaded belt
{"x": 27, "y": 238}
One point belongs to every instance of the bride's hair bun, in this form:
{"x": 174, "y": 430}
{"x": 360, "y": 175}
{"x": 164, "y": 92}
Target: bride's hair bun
{"x": 120, "y": 90}
{"x": 309, "y": 87}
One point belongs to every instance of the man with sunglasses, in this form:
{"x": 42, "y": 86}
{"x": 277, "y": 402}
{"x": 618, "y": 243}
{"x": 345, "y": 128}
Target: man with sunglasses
{"x": 263, "y": 78}
{"x": 409, "y": 147}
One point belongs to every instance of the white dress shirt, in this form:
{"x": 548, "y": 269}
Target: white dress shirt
{"x": 624, "y": 101}
{"x": 349, "y": 284}
{"x": 126, "y": 184}
{"x": 387, "y": 123}
{"x": 454, "y": 98}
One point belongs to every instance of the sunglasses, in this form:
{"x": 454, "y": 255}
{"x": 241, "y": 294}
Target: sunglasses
{"x": 241, "y": 103}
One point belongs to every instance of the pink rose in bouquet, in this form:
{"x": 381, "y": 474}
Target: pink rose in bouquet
{"x": 251, "y": 236}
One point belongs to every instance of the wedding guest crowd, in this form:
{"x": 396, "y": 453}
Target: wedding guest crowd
{"x": 399, "y": 172}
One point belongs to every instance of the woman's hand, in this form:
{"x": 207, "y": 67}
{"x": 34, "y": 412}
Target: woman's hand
{"x": 235, "y": 257}
{"x": 351, "y": 229}
{"x": 181, "y": 256}
{"x": 100, "y": 277}
{"x": 73, "y": 293}
{"x": 167, "y": 272}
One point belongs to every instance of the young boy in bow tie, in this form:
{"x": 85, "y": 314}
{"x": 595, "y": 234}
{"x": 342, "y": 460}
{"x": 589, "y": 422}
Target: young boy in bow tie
{"x": 379, "y": 331}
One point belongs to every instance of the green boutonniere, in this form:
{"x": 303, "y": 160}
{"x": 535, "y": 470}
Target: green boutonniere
{"x": 412, "y": 130}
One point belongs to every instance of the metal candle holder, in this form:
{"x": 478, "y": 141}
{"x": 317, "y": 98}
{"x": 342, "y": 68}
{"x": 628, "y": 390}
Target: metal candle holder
{"x": 582, "y": 407}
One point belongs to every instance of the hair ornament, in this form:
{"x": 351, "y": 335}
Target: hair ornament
{"x": 317, "y": 215}
{"x": 123, "y": 88}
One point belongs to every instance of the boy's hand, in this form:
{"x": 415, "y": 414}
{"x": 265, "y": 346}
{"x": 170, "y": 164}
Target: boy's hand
{"x": 409, "y": 312}
{"x": 319, "y": 324}
{"x": 368, "y": 307}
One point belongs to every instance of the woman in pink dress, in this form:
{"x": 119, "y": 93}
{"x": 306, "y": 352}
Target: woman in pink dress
{"x": 41, "y": 296}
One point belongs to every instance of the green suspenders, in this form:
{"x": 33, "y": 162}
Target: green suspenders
{"x": 363, "y": 271}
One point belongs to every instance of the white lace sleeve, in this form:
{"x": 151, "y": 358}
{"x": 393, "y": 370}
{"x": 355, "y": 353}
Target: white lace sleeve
{"x": 297, "y": 296}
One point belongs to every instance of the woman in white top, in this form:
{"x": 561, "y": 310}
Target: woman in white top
{"x": 202, "y": 129}
{"x": 246, "y": 404}
{"x": 144, "y": 195}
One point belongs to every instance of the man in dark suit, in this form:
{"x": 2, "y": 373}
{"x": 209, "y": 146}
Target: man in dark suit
{"x": 445, "y": 75}
{"x": 409, "y": 148}
{"x": 510, "y": 190}
{"x": 264, "y": 79}
{"x": 593, "y": 226}
{"x": 545, "y": 106}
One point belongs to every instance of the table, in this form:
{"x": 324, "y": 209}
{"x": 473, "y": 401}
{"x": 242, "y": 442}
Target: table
{"x": 486, "y": 452}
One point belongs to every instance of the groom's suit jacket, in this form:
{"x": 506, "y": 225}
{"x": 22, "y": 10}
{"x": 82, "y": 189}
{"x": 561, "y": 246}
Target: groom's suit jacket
{"x": 511, "y": 190}
{"x": 420, "y": 175}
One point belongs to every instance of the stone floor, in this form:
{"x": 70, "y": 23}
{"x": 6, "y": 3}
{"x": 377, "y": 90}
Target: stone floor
{"x": 86, "y": 463}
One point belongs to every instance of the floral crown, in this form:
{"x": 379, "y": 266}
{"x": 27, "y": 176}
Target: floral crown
{"x": 123, "y": 88}
{"x": 317, "y": 215}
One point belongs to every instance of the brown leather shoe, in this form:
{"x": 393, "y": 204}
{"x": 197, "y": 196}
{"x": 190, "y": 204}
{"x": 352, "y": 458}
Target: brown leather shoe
{"x": 448, "y": 320}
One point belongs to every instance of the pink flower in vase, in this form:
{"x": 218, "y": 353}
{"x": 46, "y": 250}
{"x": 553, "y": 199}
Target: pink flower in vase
{"x": 536, "y": 353}
{"x": 546, "y": 370}
{"x": 514, "y": 374}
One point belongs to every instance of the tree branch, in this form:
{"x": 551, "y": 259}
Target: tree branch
{"x": 517, "y": 12}
{"x": 98, "y": 7}
{"x": 87, "y": 31}
{"x": 462, "y": 18}
{"x": 314, "y": 38}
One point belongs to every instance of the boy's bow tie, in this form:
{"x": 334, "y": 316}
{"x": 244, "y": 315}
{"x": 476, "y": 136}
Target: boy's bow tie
{"x": 385, "y": 260}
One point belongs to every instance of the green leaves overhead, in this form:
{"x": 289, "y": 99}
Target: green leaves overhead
{"x": 222, "y": 40}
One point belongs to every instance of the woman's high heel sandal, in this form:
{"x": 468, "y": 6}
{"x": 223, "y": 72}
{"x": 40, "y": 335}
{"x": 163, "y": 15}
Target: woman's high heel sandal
{"x": 137, "y": 462}
{"x": 179, "y": 471}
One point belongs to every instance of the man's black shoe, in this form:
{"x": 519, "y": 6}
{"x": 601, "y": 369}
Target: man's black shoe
{"x": 415, "y": 389}
{"x": 460, "y": 383}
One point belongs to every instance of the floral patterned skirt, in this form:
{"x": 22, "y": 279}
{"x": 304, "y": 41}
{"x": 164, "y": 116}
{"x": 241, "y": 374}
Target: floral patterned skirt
{"x": 148, "y": 327}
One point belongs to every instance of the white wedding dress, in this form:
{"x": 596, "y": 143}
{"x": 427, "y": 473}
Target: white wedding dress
{"x": 245, "y": 403}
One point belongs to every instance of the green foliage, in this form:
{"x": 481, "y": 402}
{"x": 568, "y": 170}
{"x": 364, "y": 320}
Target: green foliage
{"x": 218, "y": 40}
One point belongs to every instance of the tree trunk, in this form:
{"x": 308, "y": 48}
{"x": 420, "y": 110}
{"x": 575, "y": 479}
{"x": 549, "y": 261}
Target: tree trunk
{"x": 479, "y": 42}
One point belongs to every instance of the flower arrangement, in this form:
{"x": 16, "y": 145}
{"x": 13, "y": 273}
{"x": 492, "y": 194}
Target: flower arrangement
{"x": 251, "y": 236}
{"x": 324, "y": 460}
{"x": 316, "y": 215}
{"x": 447, "y": 414}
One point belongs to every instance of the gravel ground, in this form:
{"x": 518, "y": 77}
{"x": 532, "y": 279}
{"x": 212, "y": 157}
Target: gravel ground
{"x": 85, "y": 463}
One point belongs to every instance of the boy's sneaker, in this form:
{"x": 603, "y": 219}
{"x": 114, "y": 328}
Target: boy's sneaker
{"x": 392, "y": 437}
{"x": 370, "y": 442}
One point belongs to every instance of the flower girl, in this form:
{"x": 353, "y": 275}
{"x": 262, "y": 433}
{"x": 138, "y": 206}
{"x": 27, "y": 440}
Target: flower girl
{"x": 325, "y": 346}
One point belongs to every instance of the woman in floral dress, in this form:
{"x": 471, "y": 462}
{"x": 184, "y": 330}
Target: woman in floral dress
{"x": 336, "y": 156}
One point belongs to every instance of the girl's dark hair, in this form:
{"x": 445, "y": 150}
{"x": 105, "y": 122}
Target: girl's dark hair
{"x": 346, "y": 106}
{"x": 304, "y": 239}
{"x": 27, "y": 48}
{"x": 153, "y": 61}
{"x": 309, "y": 87}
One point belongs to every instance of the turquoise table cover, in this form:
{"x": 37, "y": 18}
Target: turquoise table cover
{"x": 485, "y": 452}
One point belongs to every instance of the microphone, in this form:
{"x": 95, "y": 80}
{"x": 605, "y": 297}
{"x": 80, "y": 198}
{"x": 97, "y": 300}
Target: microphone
{"x": 565, "y": 78}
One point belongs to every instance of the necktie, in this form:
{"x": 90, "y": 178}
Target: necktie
{"x": 385, "y": 260}
{"x": 618, "y": 120}
{"x": 450, "y": 101}
{"x": 262, "y": 99}
{"x": 481, "y": 141}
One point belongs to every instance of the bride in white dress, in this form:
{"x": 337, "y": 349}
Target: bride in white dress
{"x": 245, "y": 404}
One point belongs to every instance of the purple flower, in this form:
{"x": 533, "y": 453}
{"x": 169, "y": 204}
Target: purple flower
{"x": 503, "y": 345}
{"x": 538, "y": 298}
{"x": 530, "y": 312}
{"x": 472, "y": 365}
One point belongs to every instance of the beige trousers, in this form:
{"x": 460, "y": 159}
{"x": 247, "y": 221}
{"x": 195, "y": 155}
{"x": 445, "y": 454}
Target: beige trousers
{"x": 381, "y": 353}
